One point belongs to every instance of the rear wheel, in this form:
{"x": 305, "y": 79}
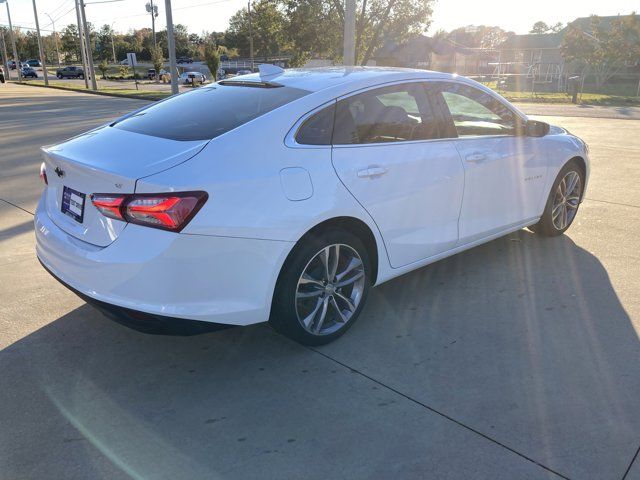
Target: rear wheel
{"x": 81, "y": 77}
{"x": 322, "y": 288}
{"x": 563, "y": 202}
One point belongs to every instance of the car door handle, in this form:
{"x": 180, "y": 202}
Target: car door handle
{"x": 372, "y": 172}
{"x": 476, "y": 157}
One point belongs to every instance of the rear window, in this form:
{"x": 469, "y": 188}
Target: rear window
{"x": 208, "y": 112}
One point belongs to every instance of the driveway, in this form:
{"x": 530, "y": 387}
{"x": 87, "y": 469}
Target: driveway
{"x": 518, "y": 359}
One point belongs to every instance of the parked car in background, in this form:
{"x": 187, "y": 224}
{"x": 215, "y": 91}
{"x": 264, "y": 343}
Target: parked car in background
{"x": 12, "y": 64}
{"x": 28, "y": 72}
{"x": 70, "y": 72}
{"x": 185, "y": 60}
{"x": 2, "y": 79}
{"x": 243, "y": 72}
{"x": 151, "y": 74}
{"x": 347, "y": 179}
{"x": 189, "y": 78}
{"x": 34, "y": 63}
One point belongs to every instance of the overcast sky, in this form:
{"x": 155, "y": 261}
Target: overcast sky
{"x": 213, "y": 15}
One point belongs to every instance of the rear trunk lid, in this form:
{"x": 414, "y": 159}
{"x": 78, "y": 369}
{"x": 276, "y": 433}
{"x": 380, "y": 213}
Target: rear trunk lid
{"x": 105, "y": 160}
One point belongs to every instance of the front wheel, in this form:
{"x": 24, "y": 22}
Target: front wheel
{"x": 563, "y": 202}
{"x": 322, "y": 288}
{"x": 81, "y": 77}
{"x": 59, "y": 76}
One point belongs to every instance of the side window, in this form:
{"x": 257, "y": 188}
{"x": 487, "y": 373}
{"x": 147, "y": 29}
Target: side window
{"x": 390, "y": 114}
{"x": 474, "y": 112}
{"x": 318, "y": 128}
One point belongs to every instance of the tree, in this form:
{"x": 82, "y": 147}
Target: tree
{"x": 268, "y": 24}
{"x": 604, "y": 50}
{"x": 157, "y": 59}
{"x": 307, "y": 28}
{"x": 70, "y": 43}
{"x": 480, "y": 36}
{"x": 541, "y": 27}
{"x": 103, "y": 66}
{"x": 212, "y": 58}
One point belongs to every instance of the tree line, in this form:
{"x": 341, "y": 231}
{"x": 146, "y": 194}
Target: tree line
{"x": 300, "y": 29}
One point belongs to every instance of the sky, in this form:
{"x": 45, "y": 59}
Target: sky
{"x": 213, "y": 15}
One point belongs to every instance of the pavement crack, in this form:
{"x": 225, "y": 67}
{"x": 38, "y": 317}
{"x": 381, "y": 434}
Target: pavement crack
{"x": 443, "y": 415}
{"x": 631, "y": 464}
{"x": 611, "y": 203}
{"x": 17, "y": 206}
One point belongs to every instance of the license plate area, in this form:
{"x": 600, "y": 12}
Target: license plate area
{"x": 73, "y": 204}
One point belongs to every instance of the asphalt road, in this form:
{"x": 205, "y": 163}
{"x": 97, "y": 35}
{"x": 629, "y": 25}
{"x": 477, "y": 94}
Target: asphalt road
{"x": 519, "y": 359}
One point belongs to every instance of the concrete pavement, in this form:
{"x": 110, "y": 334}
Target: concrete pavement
{"x": 517, "y": 359}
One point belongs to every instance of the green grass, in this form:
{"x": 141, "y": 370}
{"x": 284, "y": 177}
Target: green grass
{"x": 615, "y": 97}
{"x": 112, "y": 91}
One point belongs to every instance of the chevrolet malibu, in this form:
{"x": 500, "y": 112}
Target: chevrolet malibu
{"x": 286, "y": 195}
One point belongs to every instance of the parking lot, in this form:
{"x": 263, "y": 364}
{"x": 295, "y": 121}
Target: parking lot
{"x": 518, "y": 359}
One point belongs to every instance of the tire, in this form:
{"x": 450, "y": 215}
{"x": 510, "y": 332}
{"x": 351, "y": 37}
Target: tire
{"x": 554, "y": 221}
{"x": 59, "y": 76}
{"x": 313, "y": 313}
{"x": 81, "y": 77}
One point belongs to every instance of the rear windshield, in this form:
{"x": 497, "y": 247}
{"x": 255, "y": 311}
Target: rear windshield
{"x": 208, "y": 112}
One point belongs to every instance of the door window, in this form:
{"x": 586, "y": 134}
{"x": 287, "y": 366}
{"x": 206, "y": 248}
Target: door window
{"x": 390, "y": 114}
{"x": 476, "y": 113}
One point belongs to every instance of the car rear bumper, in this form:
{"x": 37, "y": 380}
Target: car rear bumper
{"x": 166, "y": 275}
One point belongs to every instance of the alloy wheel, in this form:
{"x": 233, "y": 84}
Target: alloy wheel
{"x": 566, "y": 200}
{"x": 330, "y": 289}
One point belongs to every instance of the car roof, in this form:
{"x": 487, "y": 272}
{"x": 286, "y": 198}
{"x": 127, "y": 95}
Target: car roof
{"x": 316, "y": 79}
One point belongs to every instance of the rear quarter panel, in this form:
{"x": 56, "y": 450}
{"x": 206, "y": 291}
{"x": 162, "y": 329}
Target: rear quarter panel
{"x": 241, "y": 171}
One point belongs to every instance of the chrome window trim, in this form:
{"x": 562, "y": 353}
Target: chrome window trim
{"x": 290, "y": 140}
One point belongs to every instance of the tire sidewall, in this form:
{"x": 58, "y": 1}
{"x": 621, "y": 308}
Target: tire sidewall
{"x": 283, "y": 316}
{"x": 546, "y": 222}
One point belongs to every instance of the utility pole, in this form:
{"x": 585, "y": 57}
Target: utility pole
{"x": 87, "y": 41}
{"x": 83, "y": 54}
{"x": 250, "y": 36}
{"x": 349, "y": 47}
{"x": 13, "y": 43}
{"x": 5, "y": 58}
{"x": 171, "y": 44}
{"x": 43, "y": 59}
{"x": 153, "y": 10}
{"x": 55, "y": 38}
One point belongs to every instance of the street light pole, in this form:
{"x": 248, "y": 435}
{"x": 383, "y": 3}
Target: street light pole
{"x": 171, "y": 45}
{"x": 87, "y": 41}
{"x": 349, "y": 45}
{"x": 153, "y": 10}
{"x": 43, "y": 58}
{"x": 81, "y": 39}
{"x": 55, "y": 38}
{"x": 13, "y": 42}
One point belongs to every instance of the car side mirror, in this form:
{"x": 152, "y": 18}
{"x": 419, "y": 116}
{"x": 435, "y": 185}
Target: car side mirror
{"x": 536, "y": 128}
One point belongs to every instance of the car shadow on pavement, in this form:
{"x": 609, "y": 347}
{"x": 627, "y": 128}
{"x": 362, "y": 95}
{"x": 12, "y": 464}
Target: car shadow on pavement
{"x": 523, "y": 340}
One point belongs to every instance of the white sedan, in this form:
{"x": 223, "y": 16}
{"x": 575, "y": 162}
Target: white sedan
{"x": 346, "y": 178}
{"x": 188, "y": 78}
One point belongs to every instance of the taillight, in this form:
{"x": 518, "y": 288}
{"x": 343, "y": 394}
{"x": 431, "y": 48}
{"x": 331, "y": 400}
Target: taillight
{"x": 43, "y": 173}
{"x": 109, "y": 205}
{"x": 167, "y": 211}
